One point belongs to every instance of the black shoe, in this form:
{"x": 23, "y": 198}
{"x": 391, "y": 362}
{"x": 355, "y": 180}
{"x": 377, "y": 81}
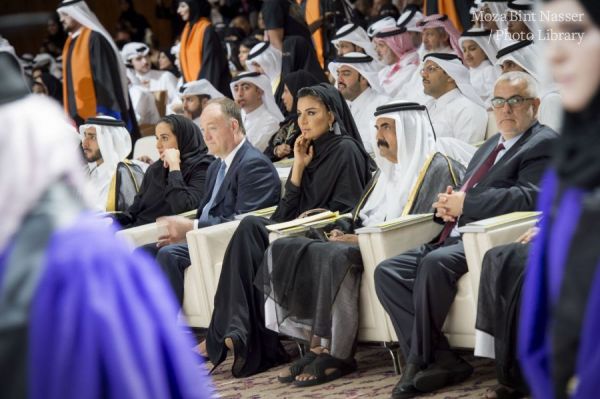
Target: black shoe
{"x": 405, "y": 388}
{"x": 448, "y": 369}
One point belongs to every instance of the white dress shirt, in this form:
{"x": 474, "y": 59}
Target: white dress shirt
{"x": 454, "y": 115}
{"x": 228, "y": 161}
{"x": 260, "y": 125}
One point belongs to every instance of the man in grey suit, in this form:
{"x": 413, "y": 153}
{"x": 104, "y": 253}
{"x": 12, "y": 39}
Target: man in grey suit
{"x": 418, "y": 287}
{"x": 241, "y": 180}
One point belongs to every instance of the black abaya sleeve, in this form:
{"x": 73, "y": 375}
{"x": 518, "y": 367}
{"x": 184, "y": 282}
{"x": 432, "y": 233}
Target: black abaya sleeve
{"x": 289, "y": 204}
{"x": 214, "y": 62}
{"x": 182, "y": 196}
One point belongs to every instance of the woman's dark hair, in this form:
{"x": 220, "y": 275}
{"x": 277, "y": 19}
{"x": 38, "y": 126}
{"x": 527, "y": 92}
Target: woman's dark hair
{"x": 198, "y": 9}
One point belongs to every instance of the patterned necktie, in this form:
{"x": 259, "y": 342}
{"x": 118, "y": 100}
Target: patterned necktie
{"x": 473, "y": 180}
{"x": 216, "y": 187}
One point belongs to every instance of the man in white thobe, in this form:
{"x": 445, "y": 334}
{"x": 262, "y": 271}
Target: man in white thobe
{"x": 260, "y": 114}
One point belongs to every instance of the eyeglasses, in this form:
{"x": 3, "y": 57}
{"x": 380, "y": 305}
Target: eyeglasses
{"x": 514, "y": 101}
{"x": 429, "y": 69}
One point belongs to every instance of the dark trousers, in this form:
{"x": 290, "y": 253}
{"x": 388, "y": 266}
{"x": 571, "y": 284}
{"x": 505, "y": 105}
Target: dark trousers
{"x": 173, "y": 260}
{"x": 417, "y": 289}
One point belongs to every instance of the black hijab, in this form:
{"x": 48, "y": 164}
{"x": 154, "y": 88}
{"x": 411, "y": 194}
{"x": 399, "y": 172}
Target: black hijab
{"x": 344, "y": 126}
{"x": 192, "y": 149}
{"x": 295, "y": 81}
{"x": 340, "y": 168}
{"x": 578, "y": 148}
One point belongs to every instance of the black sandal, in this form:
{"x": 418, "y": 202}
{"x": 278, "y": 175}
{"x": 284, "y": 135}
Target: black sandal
{"x": 323, "y": 362}
{"x": 297, "y": 367}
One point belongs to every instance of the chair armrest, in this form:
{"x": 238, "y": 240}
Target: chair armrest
{"x": 380, "y": 243}
{"x": 207, "y": 248}
{"x": 481, "y": 236}
{"x": 146, "y": 233}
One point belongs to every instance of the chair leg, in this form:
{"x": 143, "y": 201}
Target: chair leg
{"x": 301, "y": 347}
{"x": 395, "y": 353}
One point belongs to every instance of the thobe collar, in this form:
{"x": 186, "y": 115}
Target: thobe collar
{"x": 77, "y": 33}
{"x": 360, "y": 99}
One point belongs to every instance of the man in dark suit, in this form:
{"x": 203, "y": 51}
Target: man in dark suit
{"x": 418, "y": 287}
{"x": 241, "y": 180}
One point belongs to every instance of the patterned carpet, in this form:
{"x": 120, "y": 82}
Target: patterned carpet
{"x": 374, "y": 378}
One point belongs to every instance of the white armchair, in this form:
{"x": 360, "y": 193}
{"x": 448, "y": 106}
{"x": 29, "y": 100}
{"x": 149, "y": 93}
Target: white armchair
{"x": 147, "y": 233}
{"x": 396, "y": 237}
{"x": 481, "y": 236}
{"x": 207, "y": 248}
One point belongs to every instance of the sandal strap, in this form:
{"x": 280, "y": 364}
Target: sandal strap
{"x": 297, "y": 367}
{"x": 325, "y": 361}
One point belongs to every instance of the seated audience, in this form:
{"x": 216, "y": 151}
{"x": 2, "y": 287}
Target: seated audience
{"x": 417, "y": 288}
{"x": 522, "y": 21}
{"x": 524, "y": 56}
{"x": 136, "y": 58}
{"x": 331, "y": 169}
{"x": 266, "y": 59}
{"x": 352, "y": 38}
{"x": 398, "y": 53}
{"x": 260, "y": 114}
{"x": 167, "y": 62}
{"x": 81, "y": 316}
{"x": 195, "y": 97}
{"x": 245, "y": 46}
{"x": 240, "y": 181}
{"x": 480, "y": 58}
{"x": 439, "y": 36}
{"x": 106, "y": 143}
{"x": 358, "y": 82}
{"x": 312, "y": 285}
{"x": 558, "y": 325}
{"x": 281, "y": 144}
{"x": 456, "y": 109}
{"x": 176, "y": 182}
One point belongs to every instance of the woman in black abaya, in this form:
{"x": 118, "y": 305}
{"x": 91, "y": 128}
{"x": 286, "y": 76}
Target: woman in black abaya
{"x": 331, "y": 169}
{"x": 175, "y": 183}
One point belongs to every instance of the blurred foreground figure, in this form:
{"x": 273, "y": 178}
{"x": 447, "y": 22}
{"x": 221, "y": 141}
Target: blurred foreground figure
{"x": 559, "y": 320}
{"x": 80, "y": 317}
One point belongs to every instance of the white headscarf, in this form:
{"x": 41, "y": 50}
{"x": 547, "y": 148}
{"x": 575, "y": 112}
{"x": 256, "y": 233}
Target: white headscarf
{"x": 482, "y": 38}
{"x": 378, "y": 26}
{"x": 457, "y": 71}
{"x": 37, "y": 149}
{"x": 356, "y": 35}
{"x": 201, "y": 87}
{"x": 524, "y": 8}
{"x": 268, "y": 57}
{"x": 114, "y": 142}
{"x": 498, "y": 7}
{"x": 415, "y": 140}
{"x": 263, "y": 83}
{"x": 80, "y": 11}
{"x": 363, "y": 64}
{"x": 409, "y": 18}
{"x": 133, "y": 49}
{"x": 524, "y": 53}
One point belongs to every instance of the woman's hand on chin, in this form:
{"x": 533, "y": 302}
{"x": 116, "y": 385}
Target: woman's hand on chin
{"x": 303, "y": 151}
{"x": 170, "y": 158}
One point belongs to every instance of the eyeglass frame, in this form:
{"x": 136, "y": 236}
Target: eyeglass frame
{"x": 506, "y": 101}
{"x": 429, "y": 69}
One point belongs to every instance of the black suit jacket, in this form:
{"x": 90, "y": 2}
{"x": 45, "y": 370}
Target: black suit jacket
{"x": 512, "y": 184}
{"x": 251, "y": 183}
